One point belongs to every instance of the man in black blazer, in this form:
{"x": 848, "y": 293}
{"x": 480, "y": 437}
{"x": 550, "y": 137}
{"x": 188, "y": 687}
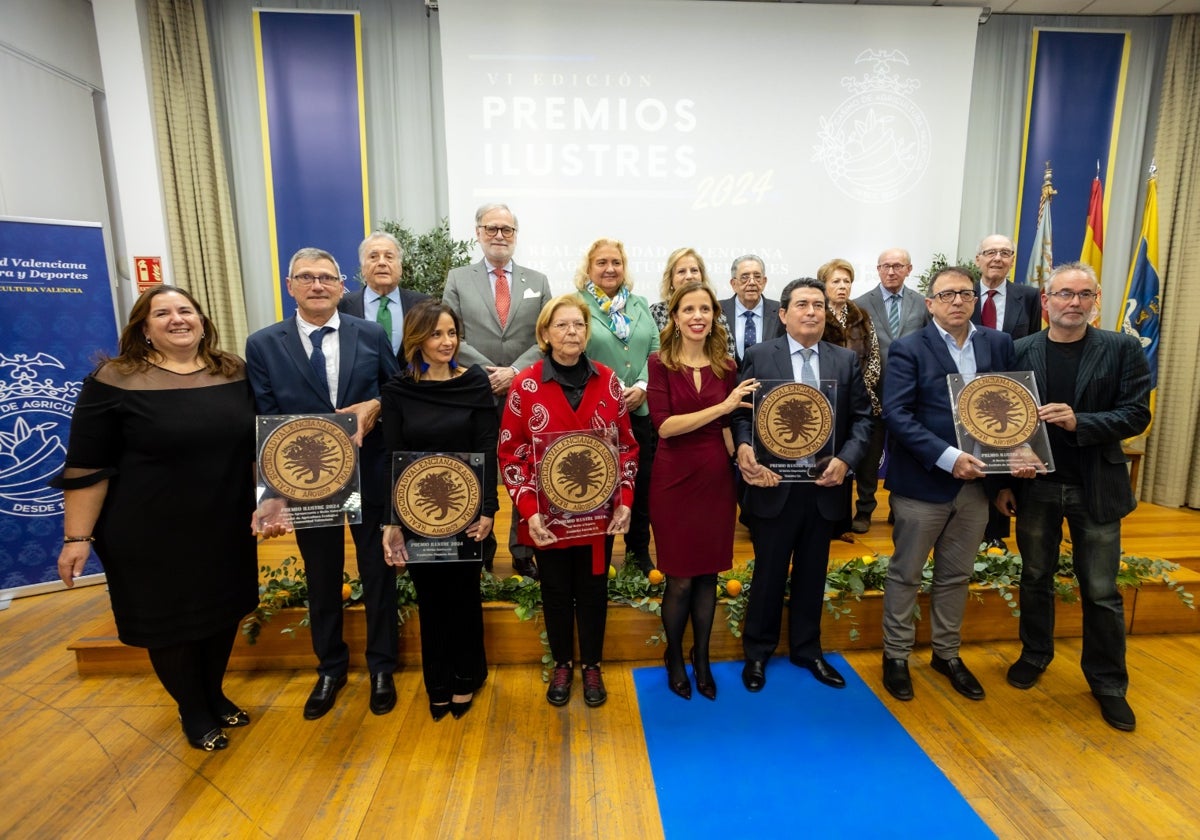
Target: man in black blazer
{"x": 751, "y": 316}
{"x": 381, "y": 263}
{"x": 1095, "y": 388}
{"x": 794, "y": 522}
{"x": 1012, "y": 308}
{"x": 358, "y": 360}
{"x": 936, "y": 488}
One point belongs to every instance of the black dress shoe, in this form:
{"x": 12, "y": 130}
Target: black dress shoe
{"x": 216, "y": 739}
{"x": 1022, "y": 674}
{"x": 237, "y": 717}
{"x": 323, "y": 694}
{"x": 705, "y": 683}
{"x": 525, "y": 566}
{"x": 678, "y": 682}
{"x": 383, "y": 693}
{"x": 1116, "y": 712}
{"x": 896, "y": 679}
{"x": 822, "y": 670}
{"x": 754, "y": 674}
{"x": 961, "y": 678}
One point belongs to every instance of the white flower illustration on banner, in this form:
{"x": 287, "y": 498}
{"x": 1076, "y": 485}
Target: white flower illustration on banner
{"x": 34, "y": 419}
{"x": 877, "y": 144}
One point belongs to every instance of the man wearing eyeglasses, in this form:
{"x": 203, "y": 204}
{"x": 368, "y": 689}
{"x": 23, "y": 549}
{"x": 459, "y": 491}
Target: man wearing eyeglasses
{"x": 936, "y": 488}
{"x": 752, "y": 316}
{"x": 1095, "y": 388}
{"x": 499, "y": 303}
{"x": 381, "y": 263}
{"x": 319, "y": 362}
{"x": 895, "y": 311}
{"x": 1012, "y": 307}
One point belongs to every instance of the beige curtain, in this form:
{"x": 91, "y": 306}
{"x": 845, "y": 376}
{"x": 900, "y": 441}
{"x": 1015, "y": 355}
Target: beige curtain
{"x": 199, "y": 213}
{"x": 1172, "y": 472}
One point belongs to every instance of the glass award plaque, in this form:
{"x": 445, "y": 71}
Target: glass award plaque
{"x": 996, "y": 420}
{"x": 793, "y": 427}
{"x": 308, "y": 469}
{"x": 577, "y": 475}
{"x": 436, "y": 496}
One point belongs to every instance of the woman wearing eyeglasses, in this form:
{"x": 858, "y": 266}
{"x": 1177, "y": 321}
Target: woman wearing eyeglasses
{"x": 567, "y": 392}
{"x": 847, "y": 325}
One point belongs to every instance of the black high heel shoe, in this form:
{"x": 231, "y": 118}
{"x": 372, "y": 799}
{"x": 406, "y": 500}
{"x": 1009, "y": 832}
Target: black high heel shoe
{"x": 214, "y": 739}
{"x": 681, "y": 687}
{"x": 707, "y": 686}
{"x": 438, "y": 710}
{"x": 460, "y": 709}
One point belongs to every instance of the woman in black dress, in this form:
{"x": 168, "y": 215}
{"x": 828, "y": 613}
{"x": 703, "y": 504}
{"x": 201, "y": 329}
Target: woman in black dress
{"x": 158, "y": 478}
{"x": 435, "y": 405}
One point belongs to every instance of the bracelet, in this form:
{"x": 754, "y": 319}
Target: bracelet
{"x": 78, "y": 539}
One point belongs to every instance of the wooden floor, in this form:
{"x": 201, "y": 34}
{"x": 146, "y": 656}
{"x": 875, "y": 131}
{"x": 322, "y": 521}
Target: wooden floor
{"x": 102, "y": 757}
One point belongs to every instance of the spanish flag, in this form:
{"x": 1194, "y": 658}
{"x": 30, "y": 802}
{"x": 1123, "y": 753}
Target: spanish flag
{"x": 1141, "y": 315}
{"x": 1093, "y": 239}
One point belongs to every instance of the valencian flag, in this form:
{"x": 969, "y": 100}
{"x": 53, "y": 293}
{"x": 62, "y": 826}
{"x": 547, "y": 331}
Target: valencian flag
{"x": 1141, "y": 315}
{"x": 1041, "y": 255}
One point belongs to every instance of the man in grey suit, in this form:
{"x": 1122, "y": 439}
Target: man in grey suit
{"x": 895, "y": 311}
{"x": 752, "y": 317}
{"x": 1095, "y": 387}
{"x": 499, "y": 303}
{"x": 793, "y": 523}
{"x": 1012, "y": 308}
{"x": 381, "y": 263}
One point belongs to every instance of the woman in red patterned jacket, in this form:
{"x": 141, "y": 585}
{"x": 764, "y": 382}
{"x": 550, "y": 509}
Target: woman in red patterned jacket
{"x": 567, "y": 392}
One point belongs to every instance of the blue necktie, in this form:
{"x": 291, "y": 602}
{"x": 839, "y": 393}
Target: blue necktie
{"x": 806, "y": 372}
{"x": 751, "y": 334}
{"x": 894, "y": 315}
{"x": 317, "y": 359}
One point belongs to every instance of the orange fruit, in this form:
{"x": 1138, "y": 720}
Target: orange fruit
{"x": 346, "y": 591}
{"x": 655, "y": 577}
{"x": 612, "y": 572}
{"x": 995, "y": 550}
{"x": 733, "y": 587}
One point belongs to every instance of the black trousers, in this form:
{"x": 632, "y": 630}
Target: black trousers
{"x": 573, "y": 596}
{"x": 453, "y": 659}
{"x": 323, "y": 550}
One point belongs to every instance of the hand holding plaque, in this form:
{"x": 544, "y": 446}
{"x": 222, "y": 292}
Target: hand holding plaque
{"x": 996, "y": 420}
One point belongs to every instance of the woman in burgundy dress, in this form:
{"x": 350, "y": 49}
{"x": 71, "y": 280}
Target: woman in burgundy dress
{"x": 693, "y": 388}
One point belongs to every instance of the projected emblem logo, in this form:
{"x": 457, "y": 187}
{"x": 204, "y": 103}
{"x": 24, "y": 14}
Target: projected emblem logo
{"x": 876, "y": 146}
{"x": 35, "y": 415}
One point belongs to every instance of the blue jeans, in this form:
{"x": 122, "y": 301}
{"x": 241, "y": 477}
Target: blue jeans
{"x": 1097, "y": 557}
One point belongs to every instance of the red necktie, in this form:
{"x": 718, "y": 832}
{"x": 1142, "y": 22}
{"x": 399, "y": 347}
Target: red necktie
{"x": 503, "y": 299}
{"x": 987, "y": 315}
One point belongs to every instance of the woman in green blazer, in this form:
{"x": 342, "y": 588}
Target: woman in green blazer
{"x": 622, "y": 337}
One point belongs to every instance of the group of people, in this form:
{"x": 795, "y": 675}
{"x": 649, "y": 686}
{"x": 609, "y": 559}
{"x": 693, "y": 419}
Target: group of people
{"x": 499, "y": 362}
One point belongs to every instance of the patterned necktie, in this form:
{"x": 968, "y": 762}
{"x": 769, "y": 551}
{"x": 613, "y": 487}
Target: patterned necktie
{"x": 894, "y": 315}
{"x": 502, "y": 296}
{"x": 317, "y": 359}
{"x": 987, "y": 316}
{"x": 751, "y": 334}
{"x": 383, "y": 317}
{"x": 807, "y": 376}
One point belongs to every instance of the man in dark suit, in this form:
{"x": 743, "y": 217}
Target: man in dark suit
{"x": 499, "y": 303}
{"x": 794, "y": 522}
{"x": 381, "y": 263}
{"x": 752, "y": 317}
{"x": 895, "y": 311}
{"x": 1012, "y": 308}
{"x": 1095, "y": 387}
{"x": 357, "y": 361}
{"x": 936, "y": 488}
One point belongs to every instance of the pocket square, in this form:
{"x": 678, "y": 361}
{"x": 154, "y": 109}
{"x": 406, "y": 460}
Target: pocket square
{"x": 530, "y": 293}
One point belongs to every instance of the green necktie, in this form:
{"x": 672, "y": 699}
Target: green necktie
{"x": 384, "y": 317}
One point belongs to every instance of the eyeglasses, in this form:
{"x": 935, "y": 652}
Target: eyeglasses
{"x": 750, "y": 278}
{"x": 996, "y": 252}
{"x": 948, "y": 296}
{"x": 567, "y": 326}
{"x": 506, "y": 231}
{"x": 323, "y": 279}
{"x": 886, "y": 267}
{"x": 1067, "y": 297}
